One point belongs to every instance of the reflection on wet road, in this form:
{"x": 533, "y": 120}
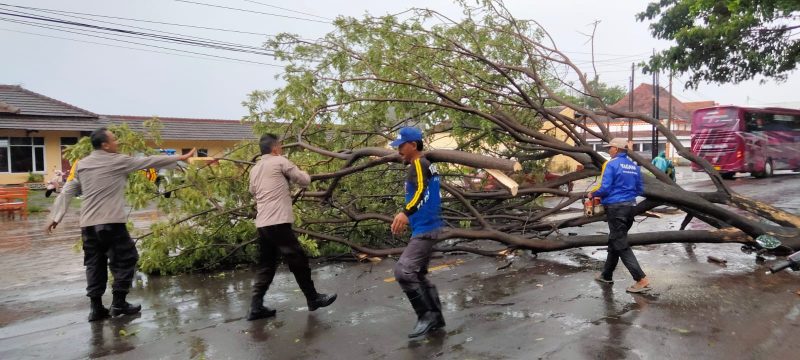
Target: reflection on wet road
{"x": 548, "y": 307}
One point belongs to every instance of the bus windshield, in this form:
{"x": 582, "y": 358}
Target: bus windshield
{"x": 726, "y": 118}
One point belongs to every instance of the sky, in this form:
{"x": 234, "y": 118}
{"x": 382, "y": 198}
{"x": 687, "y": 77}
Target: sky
{"x": 113, "y": 80}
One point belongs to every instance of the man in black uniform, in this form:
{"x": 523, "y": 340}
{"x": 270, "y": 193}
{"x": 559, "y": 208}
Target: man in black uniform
{"x": 101, "y": 178}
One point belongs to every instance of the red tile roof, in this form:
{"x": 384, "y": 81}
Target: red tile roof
{"x": 643, "y": 103}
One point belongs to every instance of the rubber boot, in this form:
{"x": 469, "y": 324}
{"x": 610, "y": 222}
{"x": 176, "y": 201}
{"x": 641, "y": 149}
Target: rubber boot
{"x": 316, "y": 300}
{"x": 258, "y": 310}
{"x": 423, "y": 304}
{"x": 121, "y": 307}
{"x": 434, "y": 294}
{"x": 98, "y": 311}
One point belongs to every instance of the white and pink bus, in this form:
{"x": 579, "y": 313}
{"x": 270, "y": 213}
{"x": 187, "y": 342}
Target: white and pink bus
{"x": 747, "y": 140}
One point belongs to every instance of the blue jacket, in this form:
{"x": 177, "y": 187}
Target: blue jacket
{"x": 621, "y": 181}
{"x": 423, "y": 202}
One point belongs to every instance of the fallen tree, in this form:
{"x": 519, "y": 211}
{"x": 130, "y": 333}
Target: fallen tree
{"x": 489, "y": 82}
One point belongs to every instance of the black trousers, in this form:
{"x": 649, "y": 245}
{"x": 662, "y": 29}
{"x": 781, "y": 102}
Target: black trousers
{"x": 620, "y": 220}
{"x": 274, "y": 241}
{"x": 108, "y": 246}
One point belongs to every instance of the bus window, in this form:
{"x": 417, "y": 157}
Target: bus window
{"x": 757, "y": 121}
{"x": 787, "y": 122}
{"x": 771, "y": 122}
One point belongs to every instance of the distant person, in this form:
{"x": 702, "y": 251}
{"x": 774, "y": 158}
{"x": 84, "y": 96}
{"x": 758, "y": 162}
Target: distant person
{"x": 760, "y": 125}
{"x": 101, "y": 178}
{"x": 621, "y": 182}
{"x": 665, "y": 165}
{"x": 269, "y": 184}
{"x": 422, "y": 210}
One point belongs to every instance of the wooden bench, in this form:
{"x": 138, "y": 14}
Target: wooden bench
{"x": 13, "y": 200}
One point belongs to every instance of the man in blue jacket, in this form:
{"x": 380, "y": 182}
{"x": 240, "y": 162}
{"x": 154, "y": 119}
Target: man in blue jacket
{"x": 621, "y": 182}
{"x": 422, "y": 210}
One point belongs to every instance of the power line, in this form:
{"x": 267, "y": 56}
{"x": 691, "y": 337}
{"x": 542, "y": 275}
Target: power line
{"x": 158, "y": 47}
{"x": 252, "y": 11}
{"x": 113, "y": 23}
{"x": 209, "y": 57}
{"x": 63, "y": 12}
{"x": 289, "y": 10}
{"x": 182, "y": 39}
{"x": 140, "y": 35}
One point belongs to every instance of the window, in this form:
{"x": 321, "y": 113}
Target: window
{"x": 22, "y": 154}
{"x": 3, "y": 154}
{"x": 67, "y": 141}
{"x": 757, "y": 121}
{"x": 599, "y": 147}
{"x": 200, "y": 152}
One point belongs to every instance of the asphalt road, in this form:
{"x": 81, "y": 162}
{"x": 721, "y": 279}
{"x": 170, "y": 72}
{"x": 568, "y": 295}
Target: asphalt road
{"x": 546, "y": 307}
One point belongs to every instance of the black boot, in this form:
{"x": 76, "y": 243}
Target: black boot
{"x": 98, "y": 311}
{"x": 434, "y": 294}
{"x": 316, "y": 300}
{"x": 258, "y": 310}
{"x": 121, "y": 307}
{"x": 425, "y": 307}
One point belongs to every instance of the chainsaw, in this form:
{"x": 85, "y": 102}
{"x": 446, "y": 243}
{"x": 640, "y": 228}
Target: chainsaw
{"x": 592, "y": 207}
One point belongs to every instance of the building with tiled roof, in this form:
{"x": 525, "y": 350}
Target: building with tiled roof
{"x": 34, "y": 129}
{"x": 680, "y": 122}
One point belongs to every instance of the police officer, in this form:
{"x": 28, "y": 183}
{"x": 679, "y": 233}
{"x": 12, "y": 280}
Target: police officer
{"x": 101, "y": 178}
{"x": 269, "y": 184}
{"x": 422, "y": 210}
{"x": 621, "y": 182}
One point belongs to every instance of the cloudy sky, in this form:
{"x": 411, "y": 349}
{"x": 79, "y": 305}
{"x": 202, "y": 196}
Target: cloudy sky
{"x": 114, "y": 77}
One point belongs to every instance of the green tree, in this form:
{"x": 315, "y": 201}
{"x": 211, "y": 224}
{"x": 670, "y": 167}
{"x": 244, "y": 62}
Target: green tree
{"x": 726, "y": 41}
{"x": 488, "y": 80}
{"x": 605, "y": 94}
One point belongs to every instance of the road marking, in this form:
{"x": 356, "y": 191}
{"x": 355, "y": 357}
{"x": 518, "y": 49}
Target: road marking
{"x": 442, "y": 266}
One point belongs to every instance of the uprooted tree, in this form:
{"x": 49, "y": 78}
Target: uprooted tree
{"x": 489, "y": 81}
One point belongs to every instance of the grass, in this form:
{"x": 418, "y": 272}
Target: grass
{"x": 37, "y": 203}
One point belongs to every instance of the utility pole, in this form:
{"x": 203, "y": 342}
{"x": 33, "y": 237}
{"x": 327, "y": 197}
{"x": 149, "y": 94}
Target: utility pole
{"x": 654, "y": 140}
{"x": 669, "y": 113}
{"x": 630, "y": 102}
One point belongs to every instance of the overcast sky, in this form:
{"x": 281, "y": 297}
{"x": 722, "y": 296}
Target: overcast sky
{"x": 113, "y": 80}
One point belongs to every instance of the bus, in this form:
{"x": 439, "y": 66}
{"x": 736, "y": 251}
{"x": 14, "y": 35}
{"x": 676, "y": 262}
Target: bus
{"x": 747, "y": 140}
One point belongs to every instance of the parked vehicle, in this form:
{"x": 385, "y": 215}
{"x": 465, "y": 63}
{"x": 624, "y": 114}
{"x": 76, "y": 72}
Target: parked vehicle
{"x": 747, "y": 140}
{"x": 166, "y": 179}
{"x": 54, "y": 185}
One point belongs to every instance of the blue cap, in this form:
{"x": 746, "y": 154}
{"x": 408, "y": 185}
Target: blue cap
{"x": 407, "y": 134}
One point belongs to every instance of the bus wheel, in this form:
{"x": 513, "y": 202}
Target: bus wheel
{"x": 728, "y": 175}
{"x": 767, "y": 170}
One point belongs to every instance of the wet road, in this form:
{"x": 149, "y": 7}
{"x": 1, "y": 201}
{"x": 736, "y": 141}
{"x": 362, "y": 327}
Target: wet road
{"x": 547, "y": 307}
